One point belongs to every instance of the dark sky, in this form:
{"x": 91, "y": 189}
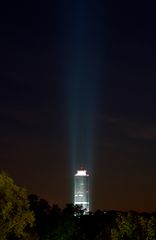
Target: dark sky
{"x": 78, "y": 86}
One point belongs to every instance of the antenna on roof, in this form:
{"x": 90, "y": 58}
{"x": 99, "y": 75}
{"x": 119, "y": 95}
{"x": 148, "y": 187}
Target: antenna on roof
{"x": 81, "y": 167}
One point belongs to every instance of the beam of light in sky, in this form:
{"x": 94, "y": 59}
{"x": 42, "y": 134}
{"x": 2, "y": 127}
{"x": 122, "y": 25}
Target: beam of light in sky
{"x": 81, "y": 97}
{"x": 80, "y": 86}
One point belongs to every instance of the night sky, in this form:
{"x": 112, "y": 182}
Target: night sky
{"x": 78, "y": 87}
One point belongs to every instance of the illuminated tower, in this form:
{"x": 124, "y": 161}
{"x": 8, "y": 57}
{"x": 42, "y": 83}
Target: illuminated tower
{"x": 81, "y": 189}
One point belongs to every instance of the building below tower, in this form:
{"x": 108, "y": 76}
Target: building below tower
{"x": 81, "y": 189}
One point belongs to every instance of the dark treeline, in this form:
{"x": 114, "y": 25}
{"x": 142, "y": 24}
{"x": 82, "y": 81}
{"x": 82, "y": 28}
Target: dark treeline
{"x": 71, "y": 223}
{"x": 28, "y": 217}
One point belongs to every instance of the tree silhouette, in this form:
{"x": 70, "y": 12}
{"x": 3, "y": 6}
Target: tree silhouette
{"x": 15, "y": 215}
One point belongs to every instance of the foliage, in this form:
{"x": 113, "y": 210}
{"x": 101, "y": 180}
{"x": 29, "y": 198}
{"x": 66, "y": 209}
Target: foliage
{"x": 42, "y": 213}
{"x": 15, "y": 215}
{"x": 67, "y": 226}
{"x": 134, "y": 227}
{"x": 148, "y": 228}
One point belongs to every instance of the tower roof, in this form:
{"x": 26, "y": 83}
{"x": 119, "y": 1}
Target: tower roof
{"x": 81, "y": 173}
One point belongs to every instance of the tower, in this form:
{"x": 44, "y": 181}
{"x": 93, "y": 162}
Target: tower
{"x": 81, "y": 189}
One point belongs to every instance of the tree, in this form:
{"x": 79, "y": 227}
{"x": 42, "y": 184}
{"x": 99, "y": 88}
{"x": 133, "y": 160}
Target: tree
{"x": 15, "y": 215}
{"x": 126, "y": 227}
{"x": 132, "y": 226}
{"x": 42, "y": 210}
{"x": 65, "y": 224}
{"x": 148, "y": 227}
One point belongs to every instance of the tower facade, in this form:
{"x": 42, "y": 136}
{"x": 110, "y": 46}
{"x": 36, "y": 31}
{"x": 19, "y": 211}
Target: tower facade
{"x": 81, "y": 189}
